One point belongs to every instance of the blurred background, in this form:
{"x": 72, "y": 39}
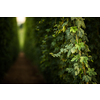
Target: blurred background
{"x": 21, "y": 30}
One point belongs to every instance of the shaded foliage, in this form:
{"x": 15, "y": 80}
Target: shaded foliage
{"x": 8, "y": 43}
{"x": 93, "y": 30}
{"x": 64, "y": 48}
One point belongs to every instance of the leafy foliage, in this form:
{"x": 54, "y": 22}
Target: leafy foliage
{"x": 8, "y": 39}
{"x": 59, "y": 46}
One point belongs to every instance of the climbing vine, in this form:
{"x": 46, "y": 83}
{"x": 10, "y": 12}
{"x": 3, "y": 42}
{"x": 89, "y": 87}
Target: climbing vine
{"x": 62, "y": 50}
{"x": 76, "y": 50}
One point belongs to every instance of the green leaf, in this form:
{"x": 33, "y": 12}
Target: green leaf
{"x": 80, "y": 45}
{"x": 81, "y": 32}
{"x": 61, "y": 50}
{"x": 65, "y": 50}
{"x": 73, "y": 18}
{"x": 69, "y": 46}
{"x": 73, "y": 50}
{"x": 51, "y": 54}
{"x": 64, "y": 28}
{"x": 78, "y": 23}
{"x": 84, "y": 59}
{"x": 76, "y": 73}
{"x": 69, "y": 70}
{"x": 73, "y": 59}
{"x": 48, "y": 30}
{"x": 68, "y": 32}
{"x": 86, "y": 78}
{"x": 76, "y": 68}
{"x": 64, "y": 24}
{"x": 77, "y": 46}
{"x": 91, "y": 72}
{"x": 73, "y": 29}
{"x": 72, "y": 40}
{"x": 53, "y": 35}
{"x": 69, "y": 53}
{"x": 87, "y": 65}
{"x": 83, "y": 24}
{"x": 75, "y": 64}
{"x": 53, "y": 43}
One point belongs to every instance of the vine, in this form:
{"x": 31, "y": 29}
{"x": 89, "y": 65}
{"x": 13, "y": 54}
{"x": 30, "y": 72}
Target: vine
{"x": 65, "y": 39}
{"x": 77, "y": 49}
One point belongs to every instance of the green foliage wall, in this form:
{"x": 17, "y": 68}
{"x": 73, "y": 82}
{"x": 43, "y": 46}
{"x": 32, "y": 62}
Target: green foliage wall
{"x": 29, "y": 37}
{"x": 9, "y": 45}
{"x": 35, "y": 34}
{"x": 31, "y": 44}
{"x": 63, "y": 48}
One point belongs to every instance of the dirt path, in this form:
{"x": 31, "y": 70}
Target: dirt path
{"x": 23, "y": 72}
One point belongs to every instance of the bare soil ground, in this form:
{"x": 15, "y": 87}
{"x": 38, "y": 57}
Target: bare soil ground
{"x": 23, "y": 72}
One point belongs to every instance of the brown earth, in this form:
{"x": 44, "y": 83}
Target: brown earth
{"x": 23, "y": 72}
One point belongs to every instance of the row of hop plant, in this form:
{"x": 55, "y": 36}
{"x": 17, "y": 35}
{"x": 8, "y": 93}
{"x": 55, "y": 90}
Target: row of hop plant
{"x": 8, "y": 43}
{"x": 59, "y": 47}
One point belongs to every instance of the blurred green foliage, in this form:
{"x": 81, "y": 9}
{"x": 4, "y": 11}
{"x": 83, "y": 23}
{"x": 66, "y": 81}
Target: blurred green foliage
{"x": 9, "y": 45}
{"x": 21, "y": 36}
{"x": 62, "y": 50}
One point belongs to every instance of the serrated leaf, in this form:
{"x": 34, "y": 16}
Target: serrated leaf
{"x": 80, "y": 45}
{"x": 91, "y": 72}
{"x": 86, "y": 78}
{"x": 80, "y": 34}
{"x": 75, "y": 58}
{"x": 80, "y": 23}
{"x": 83, "y": 59}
